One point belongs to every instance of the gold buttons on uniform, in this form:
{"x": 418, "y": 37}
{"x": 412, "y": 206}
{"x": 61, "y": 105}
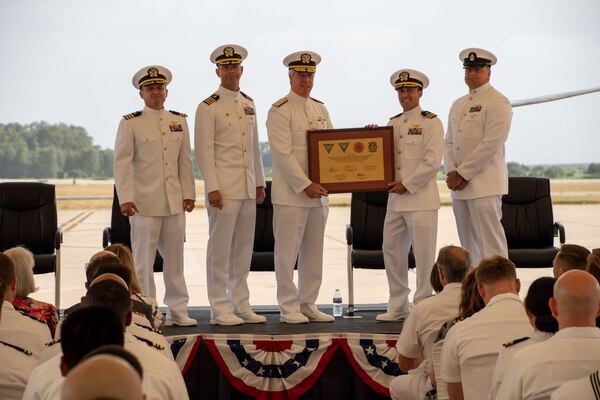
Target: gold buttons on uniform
{"x": 405, "y": 120}
{"x": 164, "y": 133}
{"x": 166, "y": 164}
{"x": 161, "y": 119}
{"x": 243, "y": 133}
{"x": 165, "y": 149}
{"x": 401, "y": 136}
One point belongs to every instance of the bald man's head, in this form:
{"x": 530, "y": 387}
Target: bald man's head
{"x": 103, "y": 377}
{"x": 576, "y": 300}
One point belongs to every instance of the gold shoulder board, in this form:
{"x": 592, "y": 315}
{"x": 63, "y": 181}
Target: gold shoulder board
{"x": 280, "y": 102}
{"x": 211, "y": 99}
{"x": 132, "y": 115}
{"x": 513, "y": 342}
{"x": 178, "y": 113}
{"x": 246, "y": 96}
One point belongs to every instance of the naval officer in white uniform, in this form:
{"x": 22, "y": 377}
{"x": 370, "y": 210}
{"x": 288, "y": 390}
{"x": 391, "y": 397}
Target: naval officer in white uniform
{"x": 228, "y": 153}
{"x": 299, "y": 205}
{"x": 413, "y": 203}
{"x": 155, "y": 184}
{"x": 478, "y": 126}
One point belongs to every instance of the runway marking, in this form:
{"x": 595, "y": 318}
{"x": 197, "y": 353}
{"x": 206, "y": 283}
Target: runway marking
{"x": 73, "y": 222}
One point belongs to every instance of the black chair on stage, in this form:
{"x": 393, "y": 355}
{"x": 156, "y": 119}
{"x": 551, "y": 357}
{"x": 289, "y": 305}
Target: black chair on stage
{"x": 529, "y": 224}
{"x": 264, "y": 240}
{"x": 263, "y": 251}
{"x": 28, "y": 218}
{"x": 119, "y": 231}
{"x": 364, "y": 236}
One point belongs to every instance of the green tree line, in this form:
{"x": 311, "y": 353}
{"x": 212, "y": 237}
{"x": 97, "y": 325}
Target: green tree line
{"x": 41, "y": 150}
{"x": 44, "y": 151}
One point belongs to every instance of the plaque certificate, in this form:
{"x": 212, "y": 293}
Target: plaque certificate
{"x": 351, "y": 160}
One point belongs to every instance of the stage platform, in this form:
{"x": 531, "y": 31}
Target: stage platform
{"x": 351, "y": 358}
{"x": 362, "y": 322}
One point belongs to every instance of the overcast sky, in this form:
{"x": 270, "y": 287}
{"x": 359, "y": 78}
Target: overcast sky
{"x": 71, "y": 61}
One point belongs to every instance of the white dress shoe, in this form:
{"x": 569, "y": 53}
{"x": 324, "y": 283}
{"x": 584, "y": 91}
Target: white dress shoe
{"x": 315, "y": 315}
{"x": 293, "y": 318}
{"x": 391, "y": 317}
{"x": 228, "y": 319}
{"x": 183, "y": 321}
{"x": 251, "y": 317}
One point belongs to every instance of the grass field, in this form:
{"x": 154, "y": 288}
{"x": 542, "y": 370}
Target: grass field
{"x": 92, "y": 195}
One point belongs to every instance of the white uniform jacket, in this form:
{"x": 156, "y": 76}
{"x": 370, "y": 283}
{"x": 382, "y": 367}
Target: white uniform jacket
{"x": 287, "y": 124}
{"x": 478, "y": 126}
{"x": 153, "y": 162}
{"x": 418, "y": 150}
{"x": 227, "y": 146}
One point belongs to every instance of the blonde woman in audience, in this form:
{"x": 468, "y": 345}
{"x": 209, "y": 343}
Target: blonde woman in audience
{"x": 126, "y": 258}
{"x": 24, "y": 263}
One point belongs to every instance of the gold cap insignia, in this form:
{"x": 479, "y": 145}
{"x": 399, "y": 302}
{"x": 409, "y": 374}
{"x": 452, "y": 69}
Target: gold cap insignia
{"x": 404, "y": 76}
{"x": 305, "y": 58}
{"x": 228, "y": 51}
{"x": 472, "y": 56}
{"x": 152, "y": 72}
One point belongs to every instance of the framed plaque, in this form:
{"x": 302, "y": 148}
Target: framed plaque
{"x": 351, "y": 160}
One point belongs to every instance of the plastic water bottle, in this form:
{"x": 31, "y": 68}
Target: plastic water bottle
{"x": 337, "y": 303}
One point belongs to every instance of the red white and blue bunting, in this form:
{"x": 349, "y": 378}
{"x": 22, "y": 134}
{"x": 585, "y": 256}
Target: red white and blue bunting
{"x": 374, "y": 359}
{"x": 268, "y": 367}
{"x": 285, "y": 367}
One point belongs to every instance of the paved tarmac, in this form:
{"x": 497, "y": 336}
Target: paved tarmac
{"x": 83, "y": 237}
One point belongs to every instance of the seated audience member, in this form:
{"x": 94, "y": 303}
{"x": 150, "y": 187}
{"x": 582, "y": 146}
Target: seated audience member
{"x": 470, "y": 303}
{"x": 471, "y": 346}
{"x": 126, "y": 258}
{"x": 16, "y": 328}
{"x": 587, "y": 388}
{"x": 572, "y": 353}
{"x": 541, "y": 319}
{"x": 84, "y": 330}
{"x": 15, "y": 367}
{"x": 162, "y": 377}
{"x": 24, "y": 263}
{"x": 414, "y": 344}
{"x": 137, "y": 328}
{"x": 570, "y": 256}
{"x": 99, "y": 261}
{"x": 103, "y": 377}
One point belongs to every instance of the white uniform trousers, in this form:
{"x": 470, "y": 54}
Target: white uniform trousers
{"x": 166, "y": 234}
{"x": 400, "y": 230}
{"x": 479, "y": 228}
{"x": 228, "y": 255}
{"x": 412, "y": 386}
{"x": 299, "y": 232}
